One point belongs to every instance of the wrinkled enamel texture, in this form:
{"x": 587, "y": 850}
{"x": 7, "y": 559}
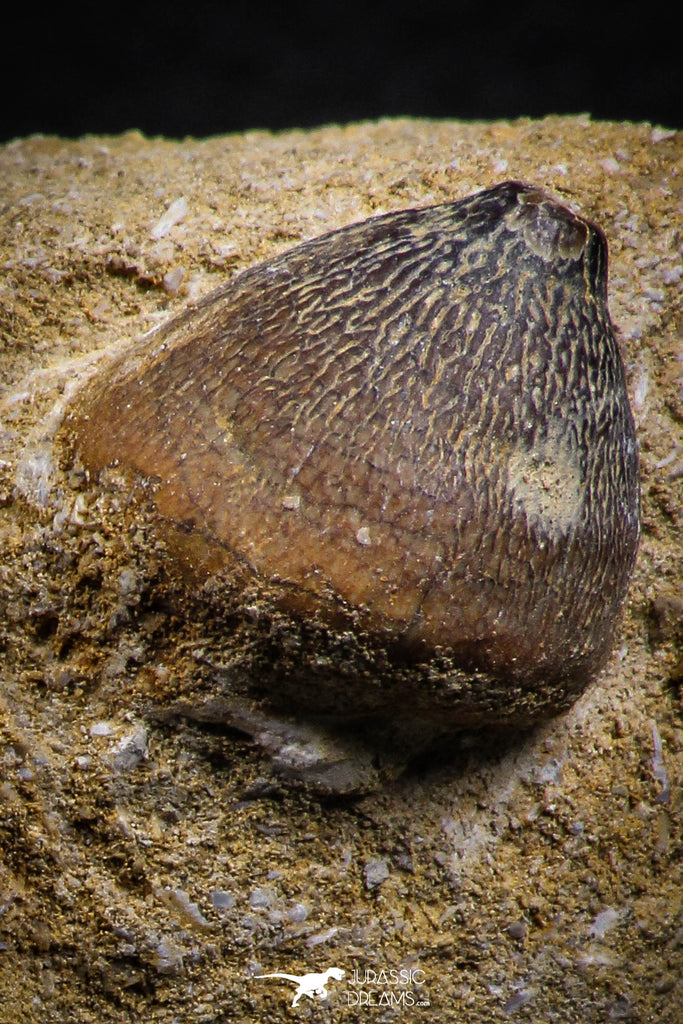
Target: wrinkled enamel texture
{"x": 414, "y": 431}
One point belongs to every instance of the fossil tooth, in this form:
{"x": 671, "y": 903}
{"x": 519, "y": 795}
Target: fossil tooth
{"x": 414, "y": 435}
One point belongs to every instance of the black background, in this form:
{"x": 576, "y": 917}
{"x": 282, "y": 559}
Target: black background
{"x": 202, "y": 68}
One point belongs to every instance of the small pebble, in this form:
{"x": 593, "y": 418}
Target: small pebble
{"x": 101, "y": 729}
{"x": 297, "y": 913}
{"x": 519, "y": 999}
{"x": 665, "y": 984}
{"x": 260, "y": 899}
{"x": 376, "y": 872}
{"x": 173, "y": 279}
{"x": 168, "y": 957}
{"x": 130, "y": 750}
{"x": 604, "y": 922}
{"x": 222, "y": 900}
{"x": 321, "y": 937}
{"x": 190, "y": 910}
{"x": 175, "y": 213}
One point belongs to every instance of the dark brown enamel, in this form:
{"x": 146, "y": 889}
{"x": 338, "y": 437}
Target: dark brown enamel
{"x": 418, "y": 424}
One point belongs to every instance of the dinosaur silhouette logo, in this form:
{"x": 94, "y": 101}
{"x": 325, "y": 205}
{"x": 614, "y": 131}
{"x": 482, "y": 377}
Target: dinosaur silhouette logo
{"x": 310, "y": 985}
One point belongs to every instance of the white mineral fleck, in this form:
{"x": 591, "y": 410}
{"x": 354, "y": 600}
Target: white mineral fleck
{"x": 604, "y": 922}
{"x": 130, "y": 750}
{"x": 101, "y": 729}
{"x": 610, "y": 165}
{"x": 173, "y": 279}
{"x": 176, "y": 212}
